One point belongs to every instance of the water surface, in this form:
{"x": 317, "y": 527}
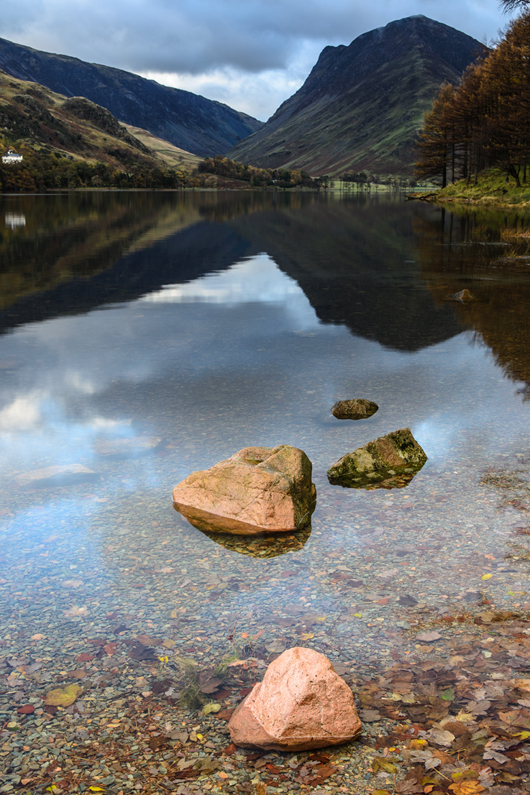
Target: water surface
{"x": 145, "y": 336}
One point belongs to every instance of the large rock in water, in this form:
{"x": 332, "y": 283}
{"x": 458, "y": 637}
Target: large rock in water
{"x": 302, "y": 703}
{"x": 257, "y": 490}
{"x": 355, "y": 409}
{"x": 388, "y": 462}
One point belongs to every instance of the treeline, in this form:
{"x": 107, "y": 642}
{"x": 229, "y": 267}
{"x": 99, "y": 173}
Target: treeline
{"x": 258, "y": 177}
{"x": 485, "y": 121}
{"x": 43, "y": 171}
{"x": 365, "y": 178}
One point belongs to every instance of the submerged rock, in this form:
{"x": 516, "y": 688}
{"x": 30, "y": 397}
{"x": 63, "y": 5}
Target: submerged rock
{"x": 390, "y": 461}
{"x": 302, "y": 703}
{"x": 63, "y": 475}
{"x": 257, "y": 490}
{"x": 269, "y": 545}
{"x": 463, "y": 296}
{"x": 355, "y": 409}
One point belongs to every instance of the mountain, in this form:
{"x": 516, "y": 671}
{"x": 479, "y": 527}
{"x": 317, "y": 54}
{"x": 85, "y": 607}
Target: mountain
{"x": 75, "y": 127}
{"x": 189, "y": 121}
{"x": 362, "y": 105}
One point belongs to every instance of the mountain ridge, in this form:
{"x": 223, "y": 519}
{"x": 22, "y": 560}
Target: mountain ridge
{"x": 363, "y": 103}
{"x": 191, "y": 122}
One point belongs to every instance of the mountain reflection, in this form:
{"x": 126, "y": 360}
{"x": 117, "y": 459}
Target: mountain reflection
{"x": 353, "y": 259}
{"x": 379, "y": 267}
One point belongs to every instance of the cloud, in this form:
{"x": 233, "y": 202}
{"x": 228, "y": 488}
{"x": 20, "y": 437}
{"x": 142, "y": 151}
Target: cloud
{"x": 216, "y": 44}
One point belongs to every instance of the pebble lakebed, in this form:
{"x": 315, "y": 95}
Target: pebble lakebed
{"x": 109, "y": 594}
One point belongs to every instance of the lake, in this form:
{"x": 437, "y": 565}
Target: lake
{"x": 148, "y": 335}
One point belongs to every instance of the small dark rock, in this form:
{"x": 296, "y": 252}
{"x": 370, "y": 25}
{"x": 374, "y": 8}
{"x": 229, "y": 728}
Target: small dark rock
{"x": 355, "y": 409}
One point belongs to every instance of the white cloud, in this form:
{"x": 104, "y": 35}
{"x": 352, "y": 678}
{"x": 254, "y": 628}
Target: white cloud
{"x": 23, "y": 413}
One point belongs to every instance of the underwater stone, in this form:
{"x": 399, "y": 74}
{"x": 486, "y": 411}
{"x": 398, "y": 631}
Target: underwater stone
{"x": 355, "y": 409}
{"x": 302, "y": 703}
{"x": 256, "y": 490}
{"x": 385, "y": 460}
{"x": 463, "y": 296}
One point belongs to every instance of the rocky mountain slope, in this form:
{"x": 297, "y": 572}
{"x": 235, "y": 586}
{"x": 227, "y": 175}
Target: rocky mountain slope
{"x": 362, "y": 105}
{"x": 186, "y": 120}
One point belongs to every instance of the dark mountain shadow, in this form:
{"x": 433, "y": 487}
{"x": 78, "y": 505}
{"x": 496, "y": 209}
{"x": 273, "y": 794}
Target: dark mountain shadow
{"x": 354, "y": 260}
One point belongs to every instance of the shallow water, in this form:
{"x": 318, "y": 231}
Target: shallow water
{"x": 199, "y": 324}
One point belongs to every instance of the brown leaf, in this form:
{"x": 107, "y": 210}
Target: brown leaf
{"x": 78, "y": 673}
{"x": 141, "y": 653}
{"x": 85, "y": 657}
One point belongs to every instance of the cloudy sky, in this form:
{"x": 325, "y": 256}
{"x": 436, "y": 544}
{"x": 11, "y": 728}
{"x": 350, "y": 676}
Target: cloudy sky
{"x": 251, "y": 54}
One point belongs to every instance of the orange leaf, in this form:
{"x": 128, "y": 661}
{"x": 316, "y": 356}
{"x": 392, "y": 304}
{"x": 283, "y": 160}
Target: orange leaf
{"x": 467, "y": 788}
{"x": 222, "y": 774}
{"x": 244, "y": 634}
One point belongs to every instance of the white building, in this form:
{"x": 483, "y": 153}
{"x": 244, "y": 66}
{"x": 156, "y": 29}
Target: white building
{"x": 11, "y": 157}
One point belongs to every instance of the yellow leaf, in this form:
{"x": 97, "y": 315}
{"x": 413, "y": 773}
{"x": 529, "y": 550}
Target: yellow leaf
{"x": 522, "y": 735}
{"x": 358, "y": 615}
{"x": 320, "y": 618}
{"x": 380, "y": 763}
{"x": 467, "y": 788}
{"x": 63, "y": 697}
{"x": 307, "y": 635}
{"x": 96, "y": 789}
{"x": 485, "y": 577}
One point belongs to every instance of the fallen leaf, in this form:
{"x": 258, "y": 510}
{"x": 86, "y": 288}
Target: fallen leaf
{"x": 486, "y": 577}
{"x": 467, "y": 788}
{"x": 63, "y": 697}
{"x": 307, "y": 635}
{"x": 380, "y": 763}
{"x": 78, "y": 673}
{"x": 211, "y": 708}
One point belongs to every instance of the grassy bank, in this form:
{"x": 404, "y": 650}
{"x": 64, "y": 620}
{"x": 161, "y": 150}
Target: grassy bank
{"x": 492, "y": 189}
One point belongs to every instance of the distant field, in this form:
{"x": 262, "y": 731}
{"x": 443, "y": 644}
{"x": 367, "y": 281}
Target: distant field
{"x": 172, "y": 155}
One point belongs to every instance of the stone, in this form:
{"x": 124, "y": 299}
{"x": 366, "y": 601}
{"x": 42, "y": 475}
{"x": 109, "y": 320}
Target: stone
{"x": 390, "y": 461}
{"x": 463, "y": 296}
{"x": 355, "y": 409}
{"x": 256, "y": 490}
{"x": 64, "y": 475}
{"x": 302, "y": 703}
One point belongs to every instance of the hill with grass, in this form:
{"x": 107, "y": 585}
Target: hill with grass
{"x": 186, "y": 120}
{"x": 362, "y": 105}
{"x": 72, "y": 142}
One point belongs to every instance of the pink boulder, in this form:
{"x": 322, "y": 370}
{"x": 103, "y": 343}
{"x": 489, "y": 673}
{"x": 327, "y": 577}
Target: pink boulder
{"x": 302, "y": 703}
{"x": 257, "y": 490}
